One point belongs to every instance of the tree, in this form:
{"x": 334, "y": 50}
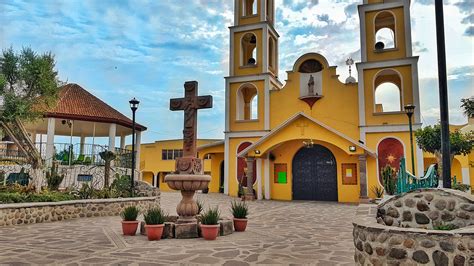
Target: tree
{"x": 468, "y": 106}
{"x": 108, "y": 157}
{"x": 429, "y": 140}
{"x": 28, "y": 86}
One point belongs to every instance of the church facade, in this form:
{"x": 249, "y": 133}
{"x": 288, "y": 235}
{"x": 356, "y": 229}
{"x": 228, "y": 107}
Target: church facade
{"x": 317, "y": 138}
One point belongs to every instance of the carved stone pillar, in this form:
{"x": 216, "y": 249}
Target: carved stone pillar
{"x": 249, "y": 192}
{"x": 363, "y": 177}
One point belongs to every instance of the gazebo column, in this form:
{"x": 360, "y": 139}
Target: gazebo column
{"x": 122, "y": 141}
{"x": 50, "y": 141}
{"x": 81, "y": 147}
{"x": 112, "y": 132}
{"x": 138, "y": 141}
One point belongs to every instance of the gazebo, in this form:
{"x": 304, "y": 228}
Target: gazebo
{"x": 78, "y": 113}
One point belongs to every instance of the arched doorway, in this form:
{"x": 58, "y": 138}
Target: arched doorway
{"x": 242, "y": 165}
{"x": 221, "y": 178}
{"x": 314, "y": 174}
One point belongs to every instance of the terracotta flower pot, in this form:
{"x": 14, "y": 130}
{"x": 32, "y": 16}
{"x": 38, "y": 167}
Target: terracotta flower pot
{"x": 240, "y": 224}
{"x": 129, "y": 228}
{"x": 154, "y": 231}
{"x": 210, "y": 232}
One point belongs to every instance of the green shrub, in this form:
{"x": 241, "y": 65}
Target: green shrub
{"x": 211, "y": 216}
{"x": 105, "y": 193}
{"x": 45, "y": 196}
{"x": 154, "y": 216}
{"x": 445, "y": 227}
{"x": 239, "y": 210}
{"x": 388, "y": 176}
{"x": 122, "y": 185}
{"x": 53, "y": 178}
{"x": 11, "y": 197}
{"x": 86, "y": 191}
{"x": 200, "y": 205}
{"x": 130, "y": 213}
{"x": 378, "y": 191}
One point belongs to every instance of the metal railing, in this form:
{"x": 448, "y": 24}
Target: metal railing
{"x": 85, "y": 154}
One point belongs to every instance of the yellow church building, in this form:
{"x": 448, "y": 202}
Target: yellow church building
{"x": 315, "y": 137}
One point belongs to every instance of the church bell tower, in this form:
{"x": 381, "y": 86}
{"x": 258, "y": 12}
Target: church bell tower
{"x": 253, "y": 74}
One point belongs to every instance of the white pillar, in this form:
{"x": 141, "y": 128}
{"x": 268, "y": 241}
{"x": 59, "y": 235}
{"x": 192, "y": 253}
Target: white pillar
{"x": 266, "y": 173}
{"x": 420, "y": 165}
{"x": 259, "y": 179}
{"x": 112, "y": 131}
{"x": 138, "y": 141}
{"x": 122, "y": 142}
{"x": 50, "y": 141}
{"x": 83, "y": 140}
{"x": 466, "y": 178}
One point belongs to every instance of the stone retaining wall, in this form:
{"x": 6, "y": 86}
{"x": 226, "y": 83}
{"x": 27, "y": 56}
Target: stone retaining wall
{"x": 378, "y": 244}
{"x": 428, "y": 208}
{"x": 39, "y": 212}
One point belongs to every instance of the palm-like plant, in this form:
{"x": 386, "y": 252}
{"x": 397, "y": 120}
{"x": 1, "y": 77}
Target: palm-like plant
{"x": 108, "y": 157}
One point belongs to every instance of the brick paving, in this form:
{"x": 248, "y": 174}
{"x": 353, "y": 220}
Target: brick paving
{"x": 298, "y": 232}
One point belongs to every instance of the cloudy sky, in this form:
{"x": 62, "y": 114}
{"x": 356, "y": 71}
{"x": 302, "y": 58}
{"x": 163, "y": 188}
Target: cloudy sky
{"x": 147, "y": 49}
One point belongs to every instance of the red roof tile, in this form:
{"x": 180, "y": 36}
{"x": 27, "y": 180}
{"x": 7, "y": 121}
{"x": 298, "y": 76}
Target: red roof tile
{"x": 78, "y": 104}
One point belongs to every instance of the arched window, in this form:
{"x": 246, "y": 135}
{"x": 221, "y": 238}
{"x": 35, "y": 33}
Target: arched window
{"x": 249, "y": 7}
{"x": 388, "y": 91}
{"x": 242, "y": 166}
{"x": 249, "y": 50}
{"x": 271, "y": 53}
{"x": 311, "y": 78}
{"x": 384, "y": 31}
{"x": 247, "y": 102}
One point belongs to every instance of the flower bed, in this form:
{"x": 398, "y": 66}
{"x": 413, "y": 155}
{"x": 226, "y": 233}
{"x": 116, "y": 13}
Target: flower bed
{"x": 399, "y": 240}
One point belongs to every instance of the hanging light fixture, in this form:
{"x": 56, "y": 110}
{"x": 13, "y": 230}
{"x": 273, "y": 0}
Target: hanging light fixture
{"x": 308, "y": 143}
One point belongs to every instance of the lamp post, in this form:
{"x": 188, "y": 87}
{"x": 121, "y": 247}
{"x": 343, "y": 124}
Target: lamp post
{"x": 410, "y": 109}
{"x": 134, "y": 106}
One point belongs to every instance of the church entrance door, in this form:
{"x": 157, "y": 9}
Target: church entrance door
{"x": 314, "y": 174}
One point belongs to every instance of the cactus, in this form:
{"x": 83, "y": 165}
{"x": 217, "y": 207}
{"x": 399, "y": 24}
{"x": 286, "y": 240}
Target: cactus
{"x": 388, "y": 175}
{"x": 53, "y": 178}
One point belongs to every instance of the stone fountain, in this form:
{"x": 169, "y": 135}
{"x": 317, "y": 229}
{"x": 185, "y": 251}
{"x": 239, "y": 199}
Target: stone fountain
{"x": 189, "y": 175}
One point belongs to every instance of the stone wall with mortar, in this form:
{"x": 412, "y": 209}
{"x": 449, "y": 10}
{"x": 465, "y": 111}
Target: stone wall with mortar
{"x": 428, "y": 208}
{"x": 39, "y": 212}
{"x": 378, "y": 244}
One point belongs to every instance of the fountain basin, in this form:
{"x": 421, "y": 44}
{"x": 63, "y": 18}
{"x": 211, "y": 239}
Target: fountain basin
{"x": 187, "y": 182}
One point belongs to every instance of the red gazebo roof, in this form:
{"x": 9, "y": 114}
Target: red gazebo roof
{"x": 75, "y": 103}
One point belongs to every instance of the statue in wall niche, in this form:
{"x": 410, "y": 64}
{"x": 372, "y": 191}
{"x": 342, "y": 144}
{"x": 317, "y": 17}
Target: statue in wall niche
{"x": 311, "y": 85}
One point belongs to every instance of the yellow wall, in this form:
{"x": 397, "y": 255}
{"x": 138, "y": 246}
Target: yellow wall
{"x": 151, "y": 159}
{"x": 243, "y": 20}
{"x": 147, "y": 177}
{"x": 338, "y": 108}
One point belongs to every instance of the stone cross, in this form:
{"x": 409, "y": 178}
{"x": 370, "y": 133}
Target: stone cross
{"x": 190, "y": 104}
{"x": 302, "y": 125}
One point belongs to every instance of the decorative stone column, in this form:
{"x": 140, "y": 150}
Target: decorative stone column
{"x": 363, "y": 178}
{"x": 249, "y": 192}
{"x": 259, "y": 179}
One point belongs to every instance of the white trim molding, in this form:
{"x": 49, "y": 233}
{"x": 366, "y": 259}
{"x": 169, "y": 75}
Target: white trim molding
{"x": 266, "y": 173}
{"x": 258, "y": 168}
{"x": 466, "y": 178}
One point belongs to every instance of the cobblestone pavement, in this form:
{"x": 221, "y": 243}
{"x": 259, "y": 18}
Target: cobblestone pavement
{"x": 298, "y": 232}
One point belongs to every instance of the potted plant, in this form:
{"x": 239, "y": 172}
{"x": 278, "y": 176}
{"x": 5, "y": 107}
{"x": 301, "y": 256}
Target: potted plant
{"x": 154, "y": 223}
{"x": 240, "y": 212}
{"x": 210, "y": 224}
{"x": 129, "y": 222}
{"x": 378, "y": 191}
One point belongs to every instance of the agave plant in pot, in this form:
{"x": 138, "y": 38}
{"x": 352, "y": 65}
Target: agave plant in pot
{"x": 129, "y": 220}
{"x": 210, "y": 223}
{"x": 240, "y": 212}
{"x": 154, "y": 223}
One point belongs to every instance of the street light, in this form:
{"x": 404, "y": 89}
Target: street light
{"x": 410, "y": 109}
{"x": 134, "y": 106}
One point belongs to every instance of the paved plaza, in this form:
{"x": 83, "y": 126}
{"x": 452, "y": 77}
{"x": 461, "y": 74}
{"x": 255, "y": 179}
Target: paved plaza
{"x": 298, "y": 232}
